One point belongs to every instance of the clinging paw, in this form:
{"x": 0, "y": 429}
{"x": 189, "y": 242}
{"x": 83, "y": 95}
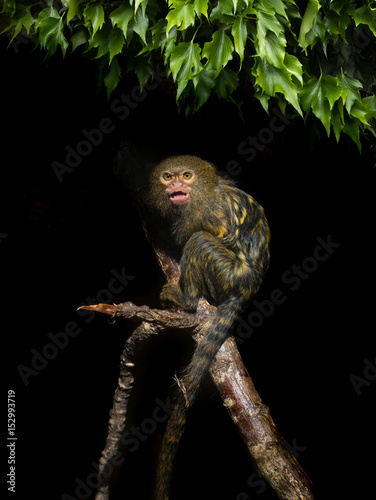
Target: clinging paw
{"x": 171, "y": 295}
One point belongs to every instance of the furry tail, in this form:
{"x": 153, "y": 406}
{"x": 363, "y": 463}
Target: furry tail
{"x": 200, "y": 364}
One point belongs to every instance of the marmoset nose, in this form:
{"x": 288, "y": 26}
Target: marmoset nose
{"x": 176, "y": 182}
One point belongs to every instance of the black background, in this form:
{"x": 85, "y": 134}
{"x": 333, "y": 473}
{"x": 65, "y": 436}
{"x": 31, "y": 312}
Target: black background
{"x": 62, "y": 240}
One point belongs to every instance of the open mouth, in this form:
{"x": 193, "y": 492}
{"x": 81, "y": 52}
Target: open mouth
{"x": 179, "y": 197}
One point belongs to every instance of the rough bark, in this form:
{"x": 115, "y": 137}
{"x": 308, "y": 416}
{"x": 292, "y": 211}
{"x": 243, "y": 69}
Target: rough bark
{"x": 252, "y": 418}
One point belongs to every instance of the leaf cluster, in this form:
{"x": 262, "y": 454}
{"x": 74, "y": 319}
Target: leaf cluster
{"x": 320, "y": 58}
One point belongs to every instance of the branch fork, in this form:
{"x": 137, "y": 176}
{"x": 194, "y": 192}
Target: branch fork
{"x": 275, "y": 462}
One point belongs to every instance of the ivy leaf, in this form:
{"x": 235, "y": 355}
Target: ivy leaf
{"x": 201, "y": 7}
{"x": 73, "y": 8}
{"x": 94, "y": 16}
{"x": 330, "y": 88}
{"x": 170, "y": 43}
{"x": 140, "y": 24}
{"x": 272, "y": 6}
{"x": 337, "y": 25}
{"x": 204, "y": 83}
{"x": 274, "y": 80}
{"x": 359, "y": 111}
{"x": 138, "y": 3}
{"x": 294, "y": 67}
{"x": 239, "y": 32}
{"x": 365, "y": 15}
{"x": 352, "y": 130}
{"x": 79, "y": 38}
{"x": 185, "y": 63}
{"x": 108, "y": 40}
{"x": 268, "y": 22}
{"x": 226, "y": 83}
{"x": 320, "y": 95}
{"x": 352, "y": 85}
{"x": 273, "y": 48}
{"x": 370, "y": 105}
{"x": 9, "y": 7}
{"x": 317, "y": 32}
{"x": 227, "y": 6}
{"x": 338, "y": 120}
{"x": 218, "y": 52}
{"x": 181, "y": 15}
{"x": 49, "y": 26}
{"x": 337, "y": 5}
{"x": 309, "y": 17}
{"x": 111, "y": 80}
{"x": 21, "y": 17}
{"x": 121, "y": 17}
{"x": 144, "y": 71}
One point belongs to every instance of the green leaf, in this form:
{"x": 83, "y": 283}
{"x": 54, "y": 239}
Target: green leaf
{"x": 370, "y": 105}
{"x": 309, "y": 18}
{"x": 272, "y": 80}
{"x": 170, "y": 43}
{"x": 226, "y": 83}
{"x": 21, "y": 17}
{"x": 9, "y": 7}
{"x": 218, "y": 52}
{"x": 277, "y": 6}
{"x": 201, "y": 8}
{"x": 227, "y": 6}
{"x": 263, "y": 98}
{"x": 94, "y": 16}
{"x": 79, "y": 38}
{"x": 108, "y": 40}
{"x": 336, "y": 25}
{"x": 320, "y": 95}
{"x": 352, "y": 85}
{"x": 330, "y": 88}
{"x": 185, "y": 63}
{"x": 111, "y": 80}
{"x": 294, "y": 67}
{"x": 137, "y": 3}
{"x": 365, "y": 15}
{"x": 73, "y": 8}
{"x": 273, "y": 48}
{"x": 337, "y": 5}
{"x": 140, "y": 24}
{"x": 267, "y": 21}
{"x": 50, "y": 26}
{"x": 182, "y": 15}
{"x": 217, "y": 15}
{"x": 359, "y": 111}
{"x": 239, "y": 33}
{"x": 337, "y": 119}
{"x": 121, "y": 17}
{"x": 204, "y": 82}
{"x": 317, "y": 32}
{"x": 144, "y": 71}
{"x": 351, "y": 128}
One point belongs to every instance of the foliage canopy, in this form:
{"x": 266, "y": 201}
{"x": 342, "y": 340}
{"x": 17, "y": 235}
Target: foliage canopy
{"x": 320, "y": 58}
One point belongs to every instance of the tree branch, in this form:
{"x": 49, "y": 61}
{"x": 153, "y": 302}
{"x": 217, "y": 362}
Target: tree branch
{"x": 275, "y": 462}
{"x": 252, "y": 418}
